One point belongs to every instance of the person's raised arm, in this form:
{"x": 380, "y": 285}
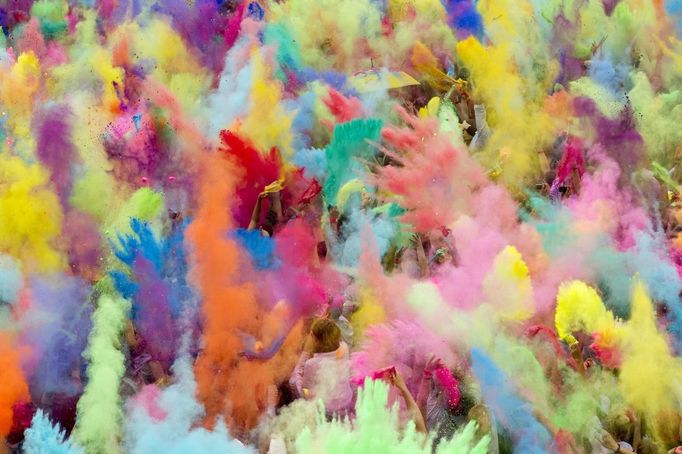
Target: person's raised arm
{"x": 610, "y": 443}
{"x": 577, "y": 355}
{"x": 421, "y": 255}
{"x": 424, "y": 391}
{"x": 276, "y": 200}
{"x": 131, "y": 335}
{"x": 397, "y": 380}
{"x": 296, "y": 379}
{"x": 562, "y": 437}
{"x": 255, "y": 216}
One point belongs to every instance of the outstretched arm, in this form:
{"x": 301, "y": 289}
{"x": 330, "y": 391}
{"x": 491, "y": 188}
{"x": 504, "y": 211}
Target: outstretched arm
{"x": 296, "y": 380}
{"x": 577, "y": 355}
{"x": 276, "y": 201}
{"x": 423, "y": 393}
{"x": 421, "y": 255}
{"x": 397, "y": 380}
{"x": 609, "y": 442}
{"x": 255, "y": 216}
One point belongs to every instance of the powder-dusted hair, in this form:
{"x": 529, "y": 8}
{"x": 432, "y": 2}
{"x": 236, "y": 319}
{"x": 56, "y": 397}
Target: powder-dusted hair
{"x": 327, "y": 335}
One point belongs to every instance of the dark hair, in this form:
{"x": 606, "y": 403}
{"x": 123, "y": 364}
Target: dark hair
{"x": 322, "y": 250}
{"x": 467, "y": 400}
{"x": 327, "y": 335}
{"x": 270, "y": 222}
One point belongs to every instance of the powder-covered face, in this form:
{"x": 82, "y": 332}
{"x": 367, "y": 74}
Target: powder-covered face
{"x": 443, "y": 255}
{"x": 366, "y": 198}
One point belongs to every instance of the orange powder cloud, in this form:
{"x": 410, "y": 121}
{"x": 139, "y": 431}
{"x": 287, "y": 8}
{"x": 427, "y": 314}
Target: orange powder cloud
{"x": 14, "y": 388}
{"x": 228, "y": 384}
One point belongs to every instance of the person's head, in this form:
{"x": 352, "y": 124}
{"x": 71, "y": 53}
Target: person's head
{"x": 442, "y": 255}
{"x": 321, "y": 250}
{"x": 174, "y": 216}
{"x": 270, "y": 222}
{"x": 327, "y": 335}
{"x": 467, "y": 400}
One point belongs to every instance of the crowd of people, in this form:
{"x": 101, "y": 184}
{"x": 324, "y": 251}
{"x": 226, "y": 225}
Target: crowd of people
{"x": 340, "y": 226}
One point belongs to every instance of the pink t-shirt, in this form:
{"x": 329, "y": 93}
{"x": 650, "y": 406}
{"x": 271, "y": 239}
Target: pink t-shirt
{"x": 325, "y": 376}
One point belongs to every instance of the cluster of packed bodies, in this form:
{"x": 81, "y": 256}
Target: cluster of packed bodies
{"x": 317, "y": 226}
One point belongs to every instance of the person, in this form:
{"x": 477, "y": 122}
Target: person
{"x": 601, "y": 439}
{"x": 564, "y": 442}
{"x": 444, "y": 252}
{"x": 480, "y": 414}
{"x": 394, "y": 378}
{"x": 145, "y": 369}
{"x": 612, "y": 445}
{"x": 667, "y": 425}
{"x": 274, "y": 216}
{"x": 323, "y": 369}
{"x": 440, "y": 399}
{"x": 422, "y": 262}
{"x": 341, "y": 316}
{"x": 483, "y": 131}
{"x": 441, "y": 256}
